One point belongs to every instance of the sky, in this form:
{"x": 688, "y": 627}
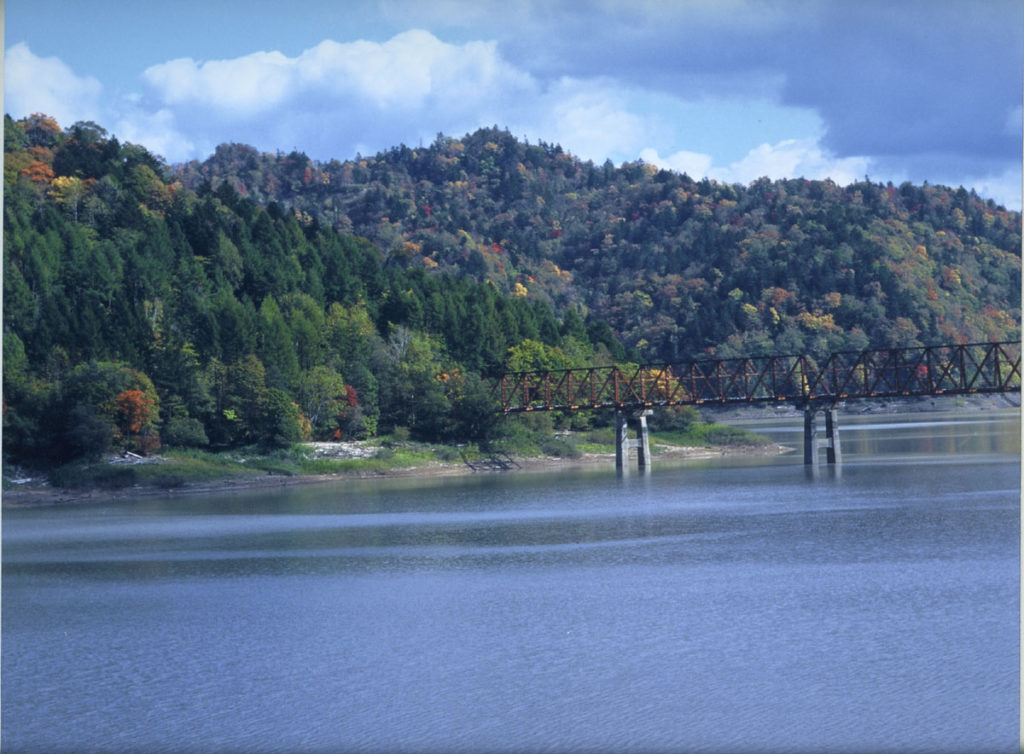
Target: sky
{"x": 894, "y": 90}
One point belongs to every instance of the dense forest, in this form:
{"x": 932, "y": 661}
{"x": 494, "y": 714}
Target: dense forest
{"x": 677, "y": 267}
{"x": 265, "y": 298}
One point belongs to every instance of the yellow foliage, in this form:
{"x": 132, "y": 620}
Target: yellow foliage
{"x": 519, "y": 290}
{"x": 63, "y": 186}
{"x": 816, "y": 322}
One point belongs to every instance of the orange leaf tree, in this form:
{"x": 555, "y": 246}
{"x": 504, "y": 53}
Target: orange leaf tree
{"x": 135, "y": 411}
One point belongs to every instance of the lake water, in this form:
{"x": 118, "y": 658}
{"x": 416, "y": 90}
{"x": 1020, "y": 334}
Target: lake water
{"x": 738, "y": 604}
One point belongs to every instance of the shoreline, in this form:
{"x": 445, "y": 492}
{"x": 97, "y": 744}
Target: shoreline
{"x": 42, "y": 495}
{"x": 45, "y": 496}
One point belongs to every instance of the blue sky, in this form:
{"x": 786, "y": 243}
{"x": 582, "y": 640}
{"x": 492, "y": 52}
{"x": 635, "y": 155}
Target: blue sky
{"x": 918, "y": 90}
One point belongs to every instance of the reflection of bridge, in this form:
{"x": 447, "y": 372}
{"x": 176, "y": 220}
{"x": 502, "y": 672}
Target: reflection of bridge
{"x": 890, "y": 373}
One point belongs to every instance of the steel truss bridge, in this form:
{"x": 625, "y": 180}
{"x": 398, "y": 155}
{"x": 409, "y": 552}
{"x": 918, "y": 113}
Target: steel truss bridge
{"x": 959, "y": 369}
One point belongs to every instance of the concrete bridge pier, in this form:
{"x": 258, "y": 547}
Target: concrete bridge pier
{"x": 623, "y": 443}
{"x": 812, "y": 443}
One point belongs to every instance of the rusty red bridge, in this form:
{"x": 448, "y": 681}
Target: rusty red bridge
{"x": 815, "y": 386}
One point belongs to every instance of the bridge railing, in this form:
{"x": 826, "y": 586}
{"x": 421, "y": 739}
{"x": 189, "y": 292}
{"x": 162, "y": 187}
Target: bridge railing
{"x": 926, "y": 370}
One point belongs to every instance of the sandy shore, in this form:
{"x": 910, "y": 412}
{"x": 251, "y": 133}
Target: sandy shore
{"x": 39, "y": 495}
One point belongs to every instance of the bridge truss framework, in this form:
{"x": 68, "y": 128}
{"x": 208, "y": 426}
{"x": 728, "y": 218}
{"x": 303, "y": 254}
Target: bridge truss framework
{"x": 959, "y": 369}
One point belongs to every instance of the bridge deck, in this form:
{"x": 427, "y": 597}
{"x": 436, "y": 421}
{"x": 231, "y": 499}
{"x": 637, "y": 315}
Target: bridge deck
{"x": 927, "y": 370}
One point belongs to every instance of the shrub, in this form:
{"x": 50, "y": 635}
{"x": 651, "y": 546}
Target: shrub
{"x": 561, "y": 447}
{"x": 721, "y": 434}
{"x": 603, "y": 436}
{"x": 447, "y": 453}
{"x": 282, "y": 420}
{"x": 186, "y": 432}
{"x": 102, "y": 476}
{"x": 675, "y": 418}
{"x": 88, "y": 434}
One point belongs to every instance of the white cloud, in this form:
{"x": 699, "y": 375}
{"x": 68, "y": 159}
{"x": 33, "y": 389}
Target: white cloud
{"x": 790, "y": 158}
{"x": 158, "y": 132}
{"x": 694, "y": 164}
{"x": 47, "y": 85}
{"x": 246, "y": 85}
{"x": 795, "y": 158}
{"x": 401, "y": 74}
{"x": 591, "y": 119}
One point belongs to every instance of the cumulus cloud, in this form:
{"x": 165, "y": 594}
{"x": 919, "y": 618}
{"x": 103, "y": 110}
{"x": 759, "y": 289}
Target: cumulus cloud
{"x": 791, "y": 158}
{"x": 47, "y": 85}
{"x": 246, "y": 85}
{"x": 694, "y": 164}
{"x": 592, "y": 119}
{"x": 796, "y": 158}
{"x": 157, "y": 131}
{"x": 402, "y": 73}
{"x": 338, "y": 97}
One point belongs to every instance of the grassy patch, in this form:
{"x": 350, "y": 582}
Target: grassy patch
{"x": 702, "y": 433}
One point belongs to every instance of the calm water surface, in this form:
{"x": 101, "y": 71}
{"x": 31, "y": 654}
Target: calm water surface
{"x": 732, "y": 605}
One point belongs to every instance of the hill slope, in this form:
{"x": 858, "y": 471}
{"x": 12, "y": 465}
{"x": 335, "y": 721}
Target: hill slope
{"x": 677, "y": 267}
{"x": 261, "y": 298}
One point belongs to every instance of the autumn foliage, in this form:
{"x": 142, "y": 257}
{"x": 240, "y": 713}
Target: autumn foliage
{"x": 257, "y": 298}
{"x": 135, "y": 410}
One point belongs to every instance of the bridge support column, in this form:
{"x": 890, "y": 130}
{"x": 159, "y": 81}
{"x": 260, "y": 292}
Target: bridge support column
{"x": 623, "y": 443}
{"x": 833, "y": 450}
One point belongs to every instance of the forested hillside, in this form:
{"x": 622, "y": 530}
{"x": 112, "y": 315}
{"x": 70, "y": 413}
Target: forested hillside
{"x": 138, "y": 311}
{"x": 257, "y": 298}
{"x": 679, "y": 268}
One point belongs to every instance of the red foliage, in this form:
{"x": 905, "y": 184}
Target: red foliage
{"x": 351, "y": 398}
{"x": 135, "y": 410}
